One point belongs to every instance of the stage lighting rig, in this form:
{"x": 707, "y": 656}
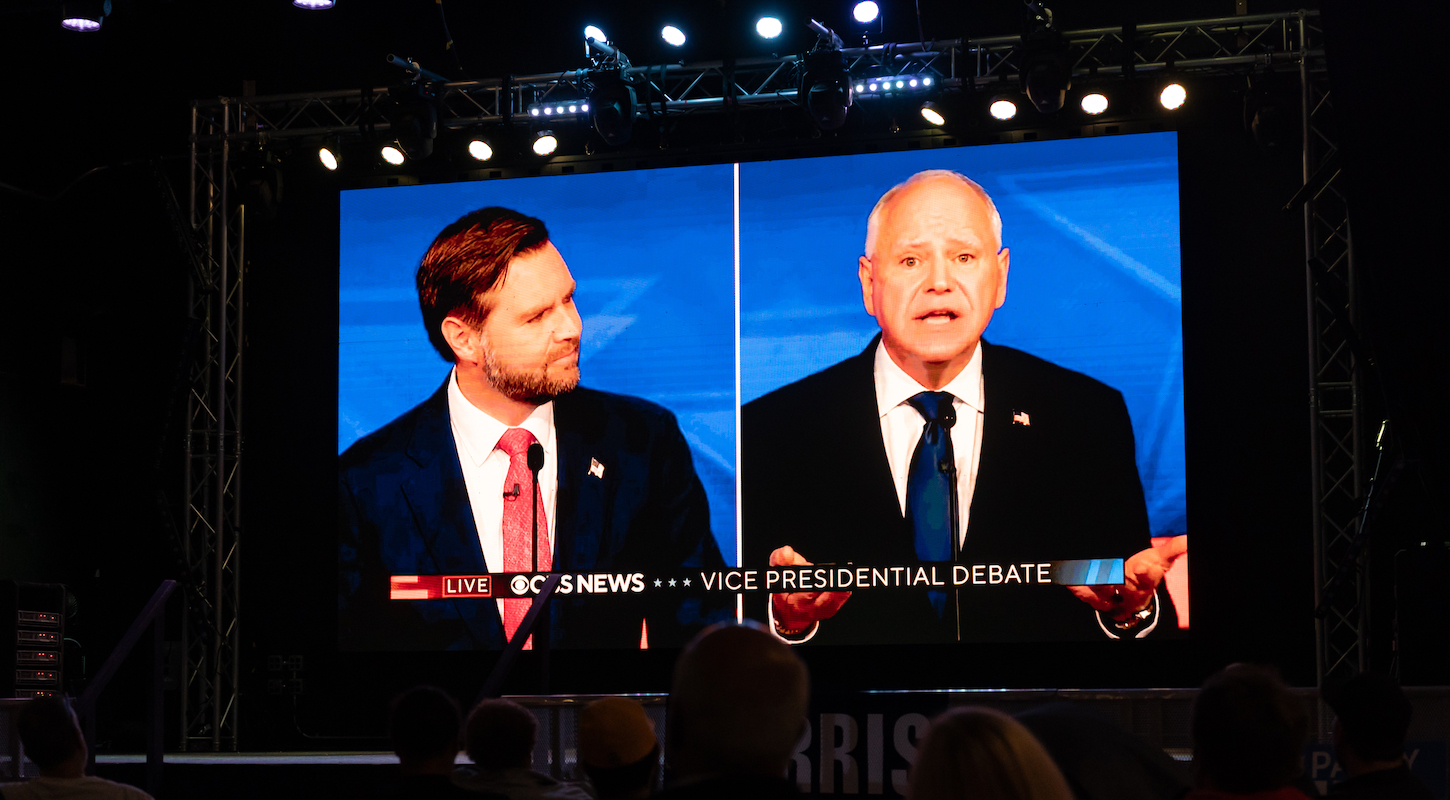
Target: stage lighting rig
{"x": 868, "y": 20}
{"x": 84, "y": 16}
{"x": 601, "y": 52}
{"x": 825, "y": 87}
{"x": 932, "y": 113}
{"x": 612, "y": 105}
{"x": 412, "y": 108}
{"x": 1046, "y": 69}
{"x": 1173, "y": 95}
{"x": 330, "y": 154}
{"x": 545, "y": 143}
{"x": 896, "y": 85}
{"x": 480, "y": 149}
{"x": 1002, "y": 107}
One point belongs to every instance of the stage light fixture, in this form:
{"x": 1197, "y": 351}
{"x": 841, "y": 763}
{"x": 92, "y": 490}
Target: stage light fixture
{"x": 1002, "y": 107}
{"x": 1095, "y": 103}
{"x": 932, "y": 113}
{"x": 480, "y": 150}
{"x": 314, "y": 5}
{"x": 593, "y": 32}
{"x": 612, "y": 100}
{"x": 866, "y": 12}
{"x": 1173, "y": 96}
{"x": 329, "y": 158}
{"x": 768, "y": 27}
{"x": 1046, "y": 73}
{"x": 412, "y": 108}
{"x": 673, "y": 36}
{"x": 393, "y": 155}
{"x": 84, "y": 16}
{"x": 545, "y": 143}
{"x": 895, "y": 85}
{"x": 826, "y": 88}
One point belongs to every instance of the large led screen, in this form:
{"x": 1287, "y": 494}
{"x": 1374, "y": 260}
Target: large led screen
{"x": 701, "y": 473}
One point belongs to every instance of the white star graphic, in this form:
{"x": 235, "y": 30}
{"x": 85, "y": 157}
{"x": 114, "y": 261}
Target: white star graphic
{"x": 672, "y": 581}
{"x": 687, "y": 581}
{"x": 657, "y": 583}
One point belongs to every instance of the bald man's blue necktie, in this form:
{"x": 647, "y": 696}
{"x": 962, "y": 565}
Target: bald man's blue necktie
{"x": 930, "y": 483}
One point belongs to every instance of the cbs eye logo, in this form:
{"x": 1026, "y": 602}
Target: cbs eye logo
{"x": 519, "y": 584}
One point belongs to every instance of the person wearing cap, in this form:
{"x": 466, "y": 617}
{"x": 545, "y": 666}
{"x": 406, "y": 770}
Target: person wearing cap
{"x": 1371, "y": 718}
{"x": 618, "y": 749}
{"x": 499, "y": 737}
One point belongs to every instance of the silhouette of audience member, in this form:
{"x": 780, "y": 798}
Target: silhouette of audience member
{"x": 424, "y": 723}
{"x": 1371, "y": 718}
{"x": 1099, "y": 759}
{"x": 618, "y": 749}
{"x": 1248, "y": 736}
{"x": 986, "y": 755}
{"x": 736, "y": 713}
{"x": 499, "y": 738}
{"x": 52, "y": 739}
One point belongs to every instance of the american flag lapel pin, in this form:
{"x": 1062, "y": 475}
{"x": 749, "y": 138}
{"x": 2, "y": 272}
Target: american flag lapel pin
{"x": 1021, "y": 418}
{"x": 596, "y": 469}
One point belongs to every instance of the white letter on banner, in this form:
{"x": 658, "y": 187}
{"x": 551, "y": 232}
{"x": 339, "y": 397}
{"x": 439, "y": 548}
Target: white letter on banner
{"x": 833, "y": 753}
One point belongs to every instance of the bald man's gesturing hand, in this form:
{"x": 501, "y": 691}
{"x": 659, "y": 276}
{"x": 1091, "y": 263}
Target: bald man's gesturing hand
{"x": 796, "y": 612}
{"x": 1142, "y": 573}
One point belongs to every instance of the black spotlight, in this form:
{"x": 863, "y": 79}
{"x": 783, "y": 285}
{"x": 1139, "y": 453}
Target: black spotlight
{"x": 412, "y": 114}
{"x": 825, "y": 89}
{"x": 1046, "y": 72}
{"x": 412, "y": 109}
{"x": 612, "y": 106}
{"x": 1269, "y": 114}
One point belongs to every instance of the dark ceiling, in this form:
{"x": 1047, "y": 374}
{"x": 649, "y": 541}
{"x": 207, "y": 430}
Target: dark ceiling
{"x": 83, "y": 100}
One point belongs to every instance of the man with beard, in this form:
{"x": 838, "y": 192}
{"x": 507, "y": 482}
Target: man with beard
{"x": 437, "y": 491}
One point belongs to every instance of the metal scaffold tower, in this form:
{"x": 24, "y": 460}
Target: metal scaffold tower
{"x": 211, "y": 529}
{"x": 1228, "y": 45}
{"x": 1338, "y": 451}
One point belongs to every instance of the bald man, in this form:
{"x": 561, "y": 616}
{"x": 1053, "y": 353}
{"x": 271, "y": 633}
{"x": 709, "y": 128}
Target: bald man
{"x": 863, "y": 462}
{"x": 737, "y": 711}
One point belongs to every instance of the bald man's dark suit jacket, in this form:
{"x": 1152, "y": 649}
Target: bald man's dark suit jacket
{"x": 1063, "y": 486}
{"x": 403, "y": 509}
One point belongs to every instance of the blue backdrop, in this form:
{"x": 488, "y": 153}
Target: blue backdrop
{"x": 1094, "y": 282}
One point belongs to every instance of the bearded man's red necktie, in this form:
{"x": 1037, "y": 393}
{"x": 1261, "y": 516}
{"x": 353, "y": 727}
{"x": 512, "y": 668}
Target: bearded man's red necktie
{"x": 518, "y": 523}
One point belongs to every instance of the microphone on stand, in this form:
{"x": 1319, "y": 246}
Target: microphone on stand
{"x": 536, "y": 463}
{"x": 949, "y": 468}
{"x": 954, "y": 514}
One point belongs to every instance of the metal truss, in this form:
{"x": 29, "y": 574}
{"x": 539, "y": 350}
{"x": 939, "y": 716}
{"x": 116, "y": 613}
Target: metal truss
{"x": 1337, "y": 431}
{"x": 212, "y": 487}
{"x": 1204, "y": 45}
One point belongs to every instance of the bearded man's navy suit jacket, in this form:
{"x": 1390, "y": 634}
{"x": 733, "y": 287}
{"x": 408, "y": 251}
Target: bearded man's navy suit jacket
{"x": 403, "y": 509}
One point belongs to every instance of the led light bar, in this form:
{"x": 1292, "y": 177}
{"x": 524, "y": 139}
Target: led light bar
{"x": 895, "y": 84}
{"x": 560, "y": 109}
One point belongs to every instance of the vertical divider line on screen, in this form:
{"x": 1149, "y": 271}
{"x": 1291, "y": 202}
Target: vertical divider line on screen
{"x": 739, "y": 498}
